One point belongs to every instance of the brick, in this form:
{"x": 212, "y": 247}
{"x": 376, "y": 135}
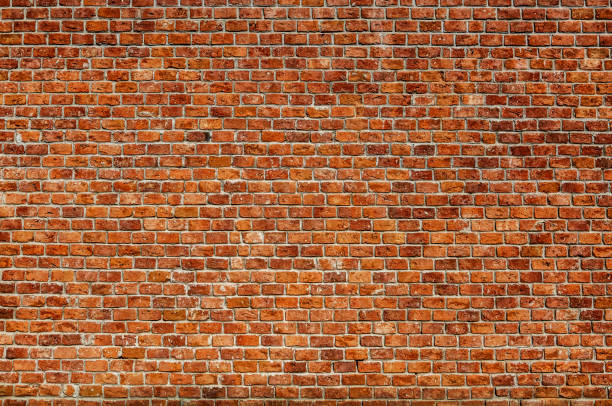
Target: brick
{"x": 369, "y": 203}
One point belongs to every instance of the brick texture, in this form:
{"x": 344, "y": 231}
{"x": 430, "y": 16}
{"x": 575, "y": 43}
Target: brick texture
{"x": 305, "y": 202}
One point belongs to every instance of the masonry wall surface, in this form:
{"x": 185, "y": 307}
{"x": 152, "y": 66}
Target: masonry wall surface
{"x": 305, "y": 202}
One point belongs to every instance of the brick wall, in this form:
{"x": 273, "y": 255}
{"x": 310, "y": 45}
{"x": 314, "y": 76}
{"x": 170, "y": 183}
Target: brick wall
{"x": 248, "y": 202}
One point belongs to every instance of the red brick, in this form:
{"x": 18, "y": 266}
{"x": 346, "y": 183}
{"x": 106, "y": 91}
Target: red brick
{"x": 332, "y": 203}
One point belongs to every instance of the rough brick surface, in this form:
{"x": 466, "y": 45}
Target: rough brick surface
{"x": 309, "y": 202}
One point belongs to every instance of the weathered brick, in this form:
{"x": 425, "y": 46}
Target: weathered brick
{"x": 278, "y": 202}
